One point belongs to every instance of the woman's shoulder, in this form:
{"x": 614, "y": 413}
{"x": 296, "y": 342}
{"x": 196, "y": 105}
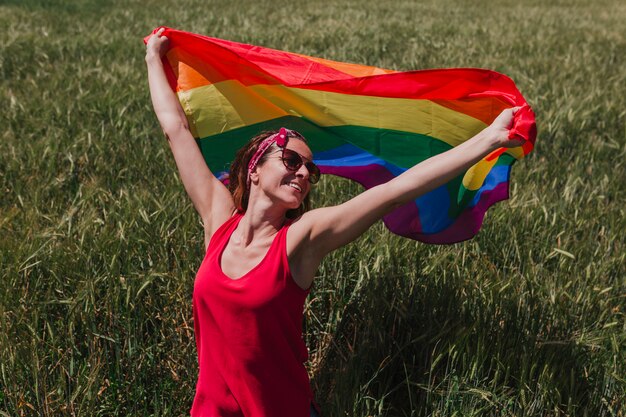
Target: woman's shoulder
{"x": 210, "y": 234}
{"x": 299, "y": 232}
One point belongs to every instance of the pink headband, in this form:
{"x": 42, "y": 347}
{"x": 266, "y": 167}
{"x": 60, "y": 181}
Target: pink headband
{"x": 281, "y": 140}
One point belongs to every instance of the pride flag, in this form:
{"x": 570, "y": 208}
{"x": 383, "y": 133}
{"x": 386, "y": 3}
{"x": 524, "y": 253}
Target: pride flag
{"x": 364, "y": 123}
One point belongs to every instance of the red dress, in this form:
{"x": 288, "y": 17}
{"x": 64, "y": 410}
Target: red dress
{"x": 249, "y": 336}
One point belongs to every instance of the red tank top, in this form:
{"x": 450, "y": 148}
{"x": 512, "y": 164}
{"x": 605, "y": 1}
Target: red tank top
{"x": 249, "y": 336}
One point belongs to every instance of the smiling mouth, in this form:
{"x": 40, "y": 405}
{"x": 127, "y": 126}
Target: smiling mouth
{"x": 295, "y": 186}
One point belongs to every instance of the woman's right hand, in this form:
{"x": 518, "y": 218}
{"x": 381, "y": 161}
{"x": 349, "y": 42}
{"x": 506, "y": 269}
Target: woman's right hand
{"x": 210, "y": 197}
{"x": 157, "y": 45}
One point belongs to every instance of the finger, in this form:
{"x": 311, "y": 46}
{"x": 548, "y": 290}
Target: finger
{"x": 158, "y": 40}
{"x": 160, "y": 31}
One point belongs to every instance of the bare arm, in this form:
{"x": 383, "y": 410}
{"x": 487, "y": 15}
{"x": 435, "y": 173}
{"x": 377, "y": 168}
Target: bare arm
{"x": 326, "y": 229}
{"x": 210, "y": 197}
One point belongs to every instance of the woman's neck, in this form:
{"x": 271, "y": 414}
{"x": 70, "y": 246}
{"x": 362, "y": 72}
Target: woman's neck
{"x": 261, "y": 220}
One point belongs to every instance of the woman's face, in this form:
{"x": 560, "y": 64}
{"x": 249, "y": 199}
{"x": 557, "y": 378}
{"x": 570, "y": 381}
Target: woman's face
{"x": 279, "y": 183}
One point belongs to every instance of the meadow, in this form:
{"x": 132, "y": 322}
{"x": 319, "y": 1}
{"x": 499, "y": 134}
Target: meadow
{"x": 99, "y": 244}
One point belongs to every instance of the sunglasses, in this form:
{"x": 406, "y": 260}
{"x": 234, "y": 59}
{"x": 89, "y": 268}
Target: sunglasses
{"x": 293, "y": 161}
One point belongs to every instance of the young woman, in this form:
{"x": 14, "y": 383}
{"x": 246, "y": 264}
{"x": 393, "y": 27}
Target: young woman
{"x": 263, "y": 248}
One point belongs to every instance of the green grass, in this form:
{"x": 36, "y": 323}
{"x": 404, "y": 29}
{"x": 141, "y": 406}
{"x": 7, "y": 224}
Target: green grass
{"x": 99, "y": 245}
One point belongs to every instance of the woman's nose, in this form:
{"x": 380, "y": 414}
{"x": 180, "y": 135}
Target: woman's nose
{"x": 303, "y": 172}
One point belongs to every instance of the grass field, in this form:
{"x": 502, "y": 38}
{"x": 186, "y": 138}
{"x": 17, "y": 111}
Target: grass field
{"x": 99, "y": 245}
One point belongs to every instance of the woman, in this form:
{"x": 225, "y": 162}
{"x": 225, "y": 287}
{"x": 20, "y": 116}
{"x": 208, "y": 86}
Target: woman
{"x": 263, "y": 249}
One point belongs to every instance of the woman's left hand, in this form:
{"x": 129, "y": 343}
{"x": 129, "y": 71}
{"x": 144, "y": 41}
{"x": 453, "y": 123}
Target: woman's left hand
{"x": 498, "y": 131}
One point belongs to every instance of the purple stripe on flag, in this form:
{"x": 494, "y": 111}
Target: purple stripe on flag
{"x": 468, "y": 223}
{"x": 404, "y": 220}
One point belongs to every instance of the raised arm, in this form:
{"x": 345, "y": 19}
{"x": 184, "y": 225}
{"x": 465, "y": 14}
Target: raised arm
{"x": 210, "y": 197}
{"x": 329, "y": 228}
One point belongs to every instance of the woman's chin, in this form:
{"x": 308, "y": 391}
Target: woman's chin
{"x": 294, "y": 206}
{"x": 293, "y": 201}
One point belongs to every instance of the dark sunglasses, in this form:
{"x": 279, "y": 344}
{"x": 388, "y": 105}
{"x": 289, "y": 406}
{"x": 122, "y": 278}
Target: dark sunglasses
{"x": 293, "y": 161}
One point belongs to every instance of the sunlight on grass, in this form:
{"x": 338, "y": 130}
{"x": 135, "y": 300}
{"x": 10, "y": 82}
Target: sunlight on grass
{"x": 99, "y": 245}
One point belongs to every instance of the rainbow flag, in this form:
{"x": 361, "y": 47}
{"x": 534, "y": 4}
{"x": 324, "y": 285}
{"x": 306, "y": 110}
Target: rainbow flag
{"x": 364, "y": 123}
